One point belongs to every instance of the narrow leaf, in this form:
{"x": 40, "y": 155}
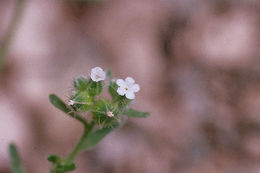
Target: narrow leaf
{"x": 135, "y": 113}
{"x": 58, "y": 103}
{"x": 53, "y": 158}
{"x": 95, "y": 137}
{"x": 15, "y": 160}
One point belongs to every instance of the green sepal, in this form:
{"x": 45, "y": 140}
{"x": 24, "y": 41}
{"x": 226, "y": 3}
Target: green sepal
{"x": 80, "y": 83}
{"x": 95, "y": 137}
{"x": 94, "y": 88}
{"x": 135, "y": 113}
{"x": 112, "y": 89}
{"x": 58, "y": 103}
{"x": 87, "y": 85}
{"x": 16, "y": 164}
{"x": 101, "y": 111}
{"x": 83, "y": 101}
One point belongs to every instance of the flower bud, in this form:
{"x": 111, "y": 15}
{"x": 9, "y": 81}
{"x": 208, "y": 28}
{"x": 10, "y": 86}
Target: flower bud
{"x": 105, "y": 113}
{"x": 82, "y": 102}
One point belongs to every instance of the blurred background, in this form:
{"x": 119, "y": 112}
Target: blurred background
{"x": 197, "y": 62}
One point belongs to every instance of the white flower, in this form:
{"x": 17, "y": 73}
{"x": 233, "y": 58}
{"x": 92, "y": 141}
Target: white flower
{"x": 127, "y": 87}
{"x": 97, "y": 74}
{"x": 71, "y": 102}
{"x": 110, "y": 114}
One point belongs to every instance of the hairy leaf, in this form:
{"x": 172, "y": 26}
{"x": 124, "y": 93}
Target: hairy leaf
{"x": 58, "y": 103}
{"x": 15, "y": 159}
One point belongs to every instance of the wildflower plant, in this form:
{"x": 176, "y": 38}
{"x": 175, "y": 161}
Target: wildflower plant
{"x": 105, "y": 114}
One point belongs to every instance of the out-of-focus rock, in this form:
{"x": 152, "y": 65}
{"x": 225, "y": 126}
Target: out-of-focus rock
{"x": 250, "y": 104}
{"x": 251, "y": 145}
{"x": 226, "y": 40}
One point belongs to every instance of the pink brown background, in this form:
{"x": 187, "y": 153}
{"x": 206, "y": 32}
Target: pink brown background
{"x": 197, "y": 63}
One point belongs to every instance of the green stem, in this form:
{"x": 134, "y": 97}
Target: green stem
{"x": 77, "y": 149}
{"x": 79, "y": 118}
{"x": 8, "y": 37}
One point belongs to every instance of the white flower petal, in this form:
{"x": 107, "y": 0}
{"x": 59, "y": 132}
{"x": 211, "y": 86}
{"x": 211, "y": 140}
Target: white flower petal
{"x": 102, "y": 74}
{"x": 71, "y": 102}
{"x": 93, "y": 76}
{"x": 135, "y": 88}
{"x": 99, "y": 79}
{"x": 94, "y": 70}
{"x": 97, "y": 74}
{"x": 130, "y": 95}
{"x": 98, "y": 69}
{"x": 121, "y": 91}
{"x": 120, "y": 82}
{"x": 110, "y": 114}
{"x": 129, "y": 81}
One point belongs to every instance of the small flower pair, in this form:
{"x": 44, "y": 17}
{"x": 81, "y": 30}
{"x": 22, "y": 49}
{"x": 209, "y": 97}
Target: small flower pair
{"x": 127, "y": 87}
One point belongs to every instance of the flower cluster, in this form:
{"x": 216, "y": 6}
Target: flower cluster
{"x": 127, "y": 87}
{"x": 105, "y": 112}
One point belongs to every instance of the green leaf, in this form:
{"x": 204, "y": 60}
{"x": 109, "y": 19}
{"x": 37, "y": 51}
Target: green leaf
{"x": 58, "y": 103}
{"x": 15, "y": 159}
{"x": 95, "y": 137}
{"x": 53, "y": 158}
{"x": 135, "y": 113}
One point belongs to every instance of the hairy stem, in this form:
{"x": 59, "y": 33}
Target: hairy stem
{"x": 79, "y": 118}
{"x": 76, "y": 150}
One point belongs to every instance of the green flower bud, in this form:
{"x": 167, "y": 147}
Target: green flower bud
{"x": 81, "y": 83}
{"x": 93, "y": 88}
{"x": 82, "y": 101}
{"x": 105, "y": 113}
